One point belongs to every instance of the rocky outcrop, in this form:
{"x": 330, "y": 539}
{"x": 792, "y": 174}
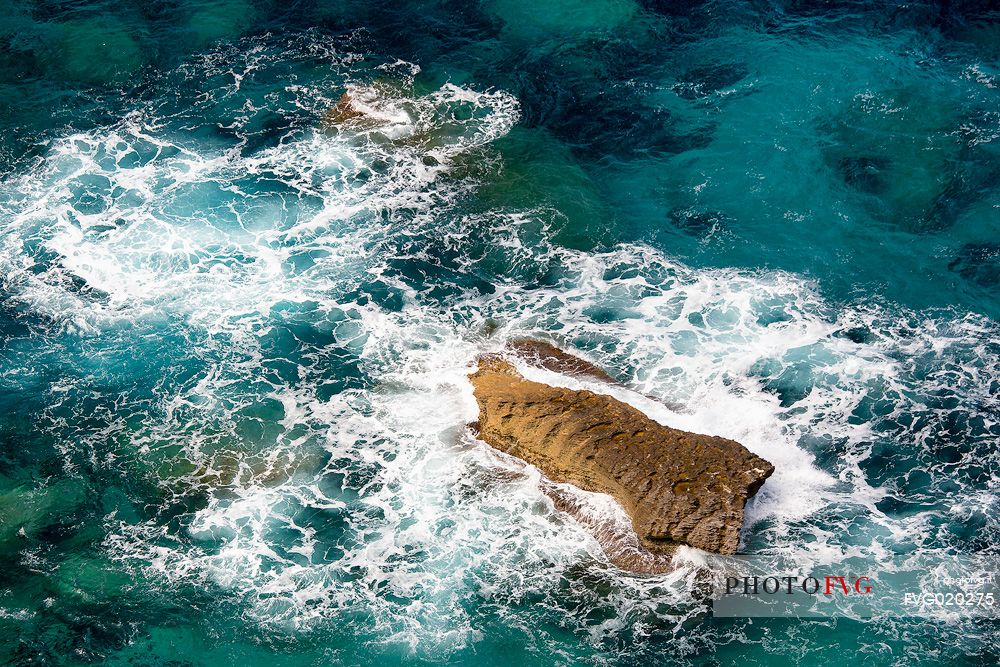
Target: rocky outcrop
{"x": 677, "y": 487}
{"x": 548, "y": 356}
{"x": 342, "y": 113}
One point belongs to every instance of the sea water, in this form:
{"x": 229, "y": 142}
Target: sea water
{"x": 234, "y": 336}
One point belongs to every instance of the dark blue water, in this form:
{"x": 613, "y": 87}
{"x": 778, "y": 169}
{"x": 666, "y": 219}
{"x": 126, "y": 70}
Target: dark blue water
{"x": 235, "y": 328}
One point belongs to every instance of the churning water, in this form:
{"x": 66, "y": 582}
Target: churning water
{"x": 234, "y": 337}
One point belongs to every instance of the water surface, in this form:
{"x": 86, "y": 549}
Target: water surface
{"x": 234, "y": 340}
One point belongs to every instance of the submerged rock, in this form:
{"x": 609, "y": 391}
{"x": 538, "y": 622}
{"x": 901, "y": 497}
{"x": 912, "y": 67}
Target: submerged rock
{"x": 540, "y": 171}
{"x": 561, "y": 17}
{"x": 909, "y": 157}
{"x": 698, "y": 223}
{"x": 677, "y": 487}
{"x": 216, "y": 20}
{"x": 699, "y": 82}
{"x": 978, "y": 262}
{"x": 95, "y": 51}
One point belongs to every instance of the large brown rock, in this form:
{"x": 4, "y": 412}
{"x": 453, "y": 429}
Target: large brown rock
{"x": 677, "y": 487}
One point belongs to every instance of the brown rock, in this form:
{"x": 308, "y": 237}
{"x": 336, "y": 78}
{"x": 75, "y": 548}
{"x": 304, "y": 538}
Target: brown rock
{"x": 677, "y": 487}
{"x": 545, "y": 355}
{"x": 343, "y": 112}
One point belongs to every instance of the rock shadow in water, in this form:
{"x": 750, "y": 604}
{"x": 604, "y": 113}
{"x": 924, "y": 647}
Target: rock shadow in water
{"x": 978, "y": 263}
{"x": 908, "y": 158}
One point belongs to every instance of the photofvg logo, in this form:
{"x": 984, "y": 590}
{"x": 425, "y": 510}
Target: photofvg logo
{"x": 773, "y": 587}
{"x": 830, "y": 585}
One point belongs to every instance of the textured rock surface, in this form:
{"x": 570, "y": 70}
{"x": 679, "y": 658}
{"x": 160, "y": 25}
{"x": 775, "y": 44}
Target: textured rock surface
{"x": 677, "y": 487}
{"x": 545, "y": 355}
{"x": 343, "y": 112}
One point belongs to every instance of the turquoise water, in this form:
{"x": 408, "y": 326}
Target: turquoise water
{"x": 234, "y": 339}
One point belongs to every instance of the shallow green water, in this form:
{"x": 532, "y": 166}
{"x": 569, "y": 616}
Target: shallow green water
{"x": 233, "y": 340}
